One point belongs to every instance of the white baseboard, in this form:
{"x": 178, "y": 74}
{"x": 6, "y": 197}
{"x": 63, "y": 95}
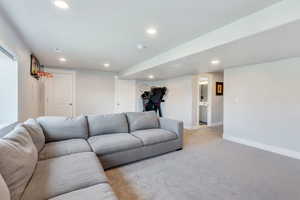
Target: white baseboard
{"x": 199, "y": 126}
{"x": 265, "y": 147}
{"x": 189, "y": 127}
{"x": 216, "y": 124}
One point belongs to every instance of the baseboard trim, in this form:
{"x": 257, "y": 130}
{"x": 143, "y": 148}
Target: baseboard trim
{"x": 199, "y": 126}
{"x": 191, "y": 127}
{"x": 215, "y": 124}
{"x": 265, "y": 147}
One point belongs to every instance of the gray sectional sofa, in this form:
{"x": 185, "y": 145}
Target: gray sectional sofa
{"x": 60, "y": 158}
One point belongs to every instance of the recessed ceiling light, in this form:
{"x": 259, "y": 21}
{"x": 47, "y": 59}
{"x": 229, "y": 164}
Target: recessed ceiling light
{"x": 62, "y": 59}
{"x": 151, "y": 77}
{"x": 215, "y": 62}
{"x": 106, "y": 65}
{"x": 151, "y": 31}
{"x": 61, "y": 4}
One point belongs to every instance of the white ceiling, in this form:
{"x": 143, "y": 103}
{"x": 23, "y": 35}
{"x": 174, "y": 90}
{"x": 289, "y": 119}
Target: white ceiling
{"x": 95, "y": 31}
{"x": 275, "y": 44}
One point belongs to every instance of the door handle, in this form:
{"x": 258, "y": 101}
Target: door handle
{"x": 70, "y": 104}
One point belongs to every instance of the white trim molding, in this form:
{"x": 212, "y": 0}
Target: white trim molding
{"x": 265, "y": 147}
{"x": 216, "y": 124}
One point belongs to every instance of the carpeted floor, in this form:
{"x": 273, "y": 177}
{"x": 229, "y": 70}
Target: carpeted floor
{"x": 209, "y": 168}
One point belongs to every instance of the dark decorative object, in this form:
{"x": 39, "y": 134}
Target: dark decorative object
{"x": 152, "y": 99}
{"x": 219, "y": 88}
{"x": 35, "y": 67}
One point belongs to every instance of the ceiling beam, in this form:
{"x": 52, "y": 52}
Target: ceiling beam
{"x": 284, "y": 12}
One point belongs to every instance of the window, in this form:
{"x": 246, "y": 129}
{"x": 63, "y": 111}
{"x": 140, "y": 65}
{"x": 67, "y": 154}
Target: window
{"x": 8, "y": 88}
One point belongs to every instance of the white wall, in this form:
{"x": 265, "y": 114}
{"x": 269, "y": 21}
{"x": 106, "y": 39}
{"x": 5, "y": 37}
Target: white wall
{"x": 217, "y": 101}
{"x": 179, "y": 101}
{"x": 95, "y": 92}
{"x": 29, "y": 88}
{"x": 262, "y": 105}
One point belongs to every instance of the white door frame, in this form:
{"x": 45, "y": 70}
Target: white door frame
{"x": 209, "y": 99}
{"x": 62, "y": 71}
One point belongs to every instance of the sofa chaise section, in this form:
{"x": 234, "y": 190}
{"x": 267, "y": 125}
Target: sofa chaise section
{"x": 67, "y": 167}
{"x": 57, "y": 176}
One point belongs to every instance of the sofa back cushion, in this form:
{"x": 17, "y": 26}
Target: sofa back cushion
{"x": 106, "y": 124}
{"x": 36, "y": 133}
{"x": 142, "y": 120}
{"x": 18, "y": 158}
{"x": 5, "y": 130}
{"x": 63, "y": 128}
{"x": 4, "y": 192}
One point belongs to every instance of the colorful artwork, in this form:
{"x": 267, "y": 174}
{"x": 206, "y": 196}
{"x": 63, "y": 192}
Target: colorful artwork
{"x": 35, "y": 67}
{"x": 219, "y": 88}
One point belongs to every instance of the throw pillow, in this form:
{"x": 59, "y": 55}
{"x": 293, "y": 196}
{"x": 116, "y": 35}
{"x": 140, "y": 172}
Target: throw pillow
{"x": 36, "y": 133}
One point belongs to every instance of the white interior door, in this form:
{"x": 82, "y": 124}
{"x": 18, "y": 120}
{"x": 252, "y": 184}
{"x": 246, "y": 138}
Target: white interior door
{"x": 59, "y": 94}
{"x": 125, "y": 96}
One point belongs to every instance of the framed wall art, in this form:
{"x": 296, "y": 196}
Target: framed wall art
{"x": 219, "y": 88}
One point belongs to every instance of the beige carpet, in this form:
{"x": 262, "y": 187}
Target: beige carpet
{"x": 209, "y": 168}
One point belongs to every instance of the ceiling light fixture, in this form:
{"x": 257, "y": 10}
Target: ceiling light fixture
{"x": 215, "y": 62}
{"x": 151, "y": 31}
{"x": 61, "y": 4}
{"x": 62, "y": 60}
{"x": 151, "y": 77}
{"x": 106, "y": 65}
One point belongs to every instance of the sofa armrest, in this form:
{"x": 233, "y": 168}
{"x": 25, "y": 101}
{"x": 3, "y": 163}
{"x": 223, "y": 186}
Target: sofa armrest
{"x": 172, "y": 125}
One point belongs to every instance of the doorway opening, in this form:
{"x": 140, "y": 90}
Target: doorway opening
{"x": 203, "y": 103}
{"x": 208, "y": 100}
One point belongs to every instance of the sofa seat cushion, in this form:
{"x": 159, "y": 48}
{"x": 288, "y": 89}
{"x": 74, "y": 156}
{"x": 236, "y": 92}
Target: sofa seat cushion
{"x": 154, "y": 136}
{"x": 111, "y": 143}
{"x": 107, "y": 124}
{"x": 63, "y": 148}
{"x": 97, "y": 192}
{"x": 64, "y": 174}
